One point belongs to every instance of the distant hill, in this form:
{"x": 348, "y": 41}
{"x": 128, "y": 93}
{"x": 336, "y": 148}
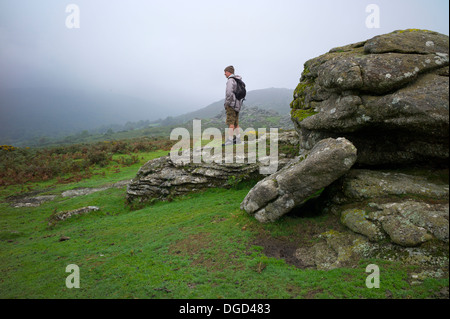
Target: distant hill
{"x": 272, "y": 99}
{"x": 32, "y": 112}
{"x": 250, "y": 117}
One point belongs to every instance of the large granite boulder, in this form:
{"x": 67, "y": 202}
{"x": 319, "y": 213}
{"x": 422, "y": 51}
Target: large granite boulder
{"x": 293, "y": 185}
{"x": 387, "y": 95}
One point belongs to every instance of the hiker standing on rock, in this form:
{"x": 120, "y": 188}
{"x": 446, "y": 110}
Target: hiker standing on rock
{"x": 234, "y": 97}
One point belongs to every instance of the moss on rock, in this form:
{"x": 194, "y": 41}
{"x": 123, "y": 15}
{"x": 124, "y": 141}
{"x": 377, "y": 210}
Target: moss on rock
{"x": 300, "y": 115}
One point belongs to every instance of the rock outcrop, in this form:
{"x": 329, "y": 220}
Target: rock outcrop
{"x": 387, "y": 95}
{"x": 164, "y": 179}
{"x": 293, "y": 185}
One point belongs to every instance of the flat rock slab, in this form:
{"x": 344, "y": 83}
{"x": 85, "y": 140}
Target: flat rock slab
{"x": 86, "y": 191}
{"x": 32, "y": 201}
{"x": 293, "y": 185}
{"x": 406, "y": 223}
{"x": 29, "y": 200}
{"x": 362, "y": 184}
{"x": 337, "y": 249}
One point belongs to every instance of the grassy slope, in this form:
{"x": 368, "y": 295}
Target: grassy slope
{"x": 199, "y": 246}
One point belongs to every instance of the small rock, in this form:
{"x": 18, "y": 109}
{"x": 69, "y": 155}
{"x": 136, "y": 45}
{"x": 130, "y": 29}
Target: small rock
{"x": 64, "y": 238}
{"x": 60, "y": 216}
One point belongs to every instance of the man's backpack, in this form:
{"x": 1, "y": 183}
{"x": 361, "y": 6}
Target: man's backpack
{"x": 240, "y": 91}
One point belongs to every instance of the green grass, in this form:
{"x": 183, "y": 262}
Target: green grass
{"x": 198, "y": 246}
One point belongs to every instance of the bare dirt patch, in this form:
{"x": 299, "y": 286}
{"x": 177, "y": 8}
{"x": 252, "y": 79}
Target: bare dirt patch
{"x": 203, "y": 251}
{"x": 303, "y": 234}
{"x": 190, "y": 245}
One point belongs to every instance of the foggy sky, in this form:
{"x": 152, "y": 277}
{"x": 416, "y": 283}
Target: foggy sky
{"x": 175, "y": 50}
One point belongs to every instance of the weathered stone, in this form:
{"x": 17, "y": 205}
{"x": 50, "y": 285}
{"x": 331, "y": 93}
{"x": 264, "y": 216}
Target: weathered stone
{"x": 357, "y": 220}
{"x": 387, "y": 205}
{"x": 335, "y": 250}
{"x": 60, "y": 216}
{"x": 293, "y": 185}
{"x": 82, "y": 191}
{"x": 387, "y": 95}
{"x": 361, "y": 184}
{"x": 32, "y": 201}
{"x": 308, "y": 257}
{"x": 408, "y": 41}
{"x": 403, "y": 232}
{"x": 433, "y": 218}
{"x": 325, "y": 257}
{"x": 162, "y": 178}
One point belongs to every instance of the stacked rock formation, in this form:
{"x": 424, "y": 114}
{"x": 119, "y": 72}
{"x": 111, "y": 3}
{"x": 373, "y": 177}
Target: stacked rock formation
{"x": 388, "y": 98}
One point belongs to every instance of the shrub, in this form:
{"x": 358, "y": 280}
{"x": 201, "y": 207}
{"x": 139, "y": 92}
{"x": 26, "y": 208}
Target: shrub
{"x": 98, "y": 157}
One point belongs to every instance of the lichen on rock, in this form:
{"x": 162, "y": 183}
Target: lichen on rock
{"x": 388, "y": 95}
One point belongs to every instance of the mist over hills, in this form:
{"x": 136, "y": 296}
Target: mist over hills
{"x": 32, "y": 112}
{"x": 26, "y": 114}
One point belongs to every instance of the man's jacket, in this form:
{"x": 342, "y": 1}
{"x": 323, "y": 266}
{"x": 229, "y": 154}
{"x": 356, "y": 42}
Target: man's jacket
{"x": 230, "y": 98}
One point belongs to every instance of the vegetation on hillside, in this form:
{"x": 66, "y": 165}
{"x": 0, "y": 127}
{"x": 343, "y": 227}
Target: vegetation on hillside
{"x": 71, "y": 162}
